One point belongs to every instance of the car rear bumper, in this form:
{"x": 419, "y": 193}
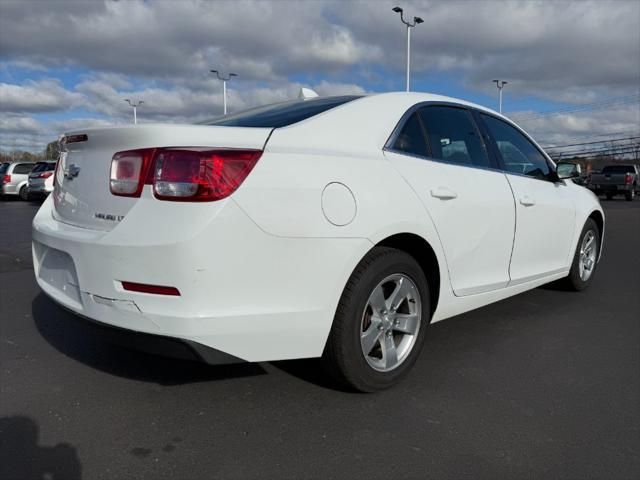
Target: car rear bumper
{"x": 612, "y": 188}
{"x": 39, "y": 189}
{"x": 243, "y": 292}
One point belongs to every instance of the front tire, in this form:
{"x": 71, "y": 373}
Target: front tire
{"x": 24, "y": 193}
{"x": 585, "y": 259}
{"x": 380, "y": 323}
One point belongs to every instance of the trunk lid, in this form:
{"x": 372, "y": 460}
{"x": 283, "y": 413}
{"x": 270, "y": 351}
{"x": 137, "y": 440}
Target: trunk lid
{"x": 82, "y": 196}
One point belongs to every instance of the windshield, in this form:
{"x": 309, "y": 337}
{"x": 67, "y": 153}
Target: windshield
{"x": 281, "y": 114}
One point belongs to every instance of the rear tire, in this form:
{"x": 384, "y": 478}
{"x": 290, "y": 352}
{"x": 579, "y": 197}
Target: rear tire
{"x": 577, "y": 279}
{"x": 369, "y": 308}
{"x": 24, "y": 193}
{"x": 608, "y": 196}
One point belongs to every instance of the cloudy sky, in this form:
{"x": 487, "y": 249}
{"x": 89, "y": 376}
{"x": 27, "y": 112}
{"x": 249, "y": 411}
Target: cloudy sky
{"x": 68, "y": 64}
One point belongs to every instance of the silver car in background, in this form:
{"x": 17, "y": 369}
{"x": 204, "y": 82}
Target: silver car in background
{"x": 15, "y": 178}
{"x": 41, "y": 179}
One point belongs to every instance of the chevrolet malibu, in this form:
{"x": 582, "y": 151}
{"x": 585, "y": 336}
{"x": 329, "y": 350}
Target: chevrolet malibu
{"x": 336, "y": 227}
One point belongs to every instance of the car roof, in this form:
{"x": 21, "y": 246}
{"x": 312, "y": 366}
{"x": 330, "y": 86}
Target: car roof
{"x": 363, "y": 124}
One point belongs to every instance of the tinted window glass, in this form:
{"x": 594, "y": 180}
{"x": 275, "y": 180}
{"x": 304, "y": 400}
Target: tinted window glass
{"x": 281, "y": 114}
{"x": 4, "y": 167}
{"x": 23, "y": 168}
{"x": 43, "y": 167}
{"x": 453, "y": 136}
{"x": 518, "y": 153}
{"x": 619, "y": 169}
{"x": 411, "y": 138}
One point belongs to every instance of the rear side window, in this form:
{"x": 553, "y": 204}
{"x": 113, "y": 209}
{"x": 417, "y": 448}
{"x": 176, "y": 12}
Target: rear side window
{"x": 453, "y": 136}
{"x": 43, "y": 167}
{"x": 282, "y": 114}
{"x": 619, "y": 169}
{"x": 518, "y": 153}
{"x": 411, "y": 138}
{"x": 23, "y": 168}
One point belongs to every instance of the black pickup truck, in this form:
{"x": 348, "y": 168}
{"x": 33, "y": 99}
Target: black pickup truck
{"x": 616, "y": 180}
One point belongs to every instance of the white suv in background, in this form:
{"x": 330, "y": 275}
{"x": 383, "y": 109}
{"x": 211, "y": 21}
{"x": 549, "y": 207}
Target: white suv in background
{"x": 15, "y": 178}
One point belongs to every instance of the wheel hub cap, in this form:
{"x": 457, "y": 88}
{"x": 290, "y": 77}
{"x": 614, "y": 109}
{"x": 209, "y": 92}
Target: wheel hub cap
{"x": 587, "y": 257}
{"x": 390, "y": 322}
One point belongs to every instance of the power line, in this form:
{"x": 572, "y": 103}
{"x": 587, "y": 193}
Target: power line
{"x": 596, "y": 153}
{"x": 602, "y": 104}
{"x": 591, "y": 135}
{"x": 590, "y": 143}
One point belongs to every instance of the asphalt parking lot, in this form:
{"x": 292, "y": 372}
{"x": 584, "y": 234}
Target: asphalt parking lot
{"x": 542, "y": 385}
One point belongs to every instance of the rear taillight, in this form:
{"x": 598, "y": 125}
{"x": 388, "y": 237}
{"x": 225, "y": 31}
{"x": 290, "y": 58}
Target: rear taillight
{"x": 628, "y": 179}
{"x": 201, "y": 175}
{"x": 128, "y": 172}
{"x": 182, "y": 174}
{"x": 6, "y": 179}
{"x": 45, "y": 174}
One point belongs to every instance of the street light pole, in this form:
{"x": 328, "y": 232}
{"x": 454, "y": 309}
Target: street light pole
{"x": 135, "y": 107}
{"x": 224, "y": 87}
{"x": 410, "y": 25}
{"x": 500, "y": 84}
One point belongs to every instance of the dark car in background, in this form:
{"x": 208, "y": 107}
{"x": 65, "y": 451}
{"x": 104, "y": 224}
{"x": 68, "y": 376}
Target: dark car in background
{"x": 616, "y": 180}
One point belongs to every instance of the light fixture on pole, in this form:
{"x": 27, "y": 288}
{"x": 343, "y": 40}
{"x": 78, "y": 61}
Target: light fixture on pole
{"x": 224, "y": 87}
{"x": 410, "y": 25}
{"x": 135, "y": 107}
{"x": 500, "y": 84}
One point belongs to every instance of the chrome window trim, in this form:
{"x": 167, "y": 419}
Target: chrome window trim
{"x": 388, "y": 146}
{"x": 444, "y": 162}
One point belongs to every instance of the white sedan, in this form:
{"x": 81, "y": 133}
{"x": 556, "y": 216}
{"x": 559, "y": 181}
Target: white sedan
{"x": 336, "y": 227}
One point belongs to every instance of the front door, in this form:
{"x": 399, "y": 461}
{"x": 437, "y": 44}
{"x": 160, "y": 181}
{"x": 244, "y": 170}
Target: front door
{"x": 441, "y": 154}
{"x": 545, "y": 212}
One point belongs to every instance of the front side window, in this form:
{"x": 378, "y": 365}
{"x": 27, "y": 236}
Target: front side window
{"x": 519, "y": 155}
{"x": 411, "y": 137}
{"x": 453, "y": 136}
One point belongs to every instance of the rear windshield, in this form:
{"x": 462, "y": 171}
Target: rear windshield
{"x": 3, "y": 167}
{"x": 43, "y": 167}
{"x": 281, "y": 114}
{"x": 619, "y": 169}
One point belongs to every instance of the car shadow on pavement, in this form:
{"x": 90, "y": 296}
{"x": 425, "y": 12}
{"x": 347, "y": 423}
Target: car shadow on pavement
{"x": 22, "y": 458}
{"x": 80, "y": 340}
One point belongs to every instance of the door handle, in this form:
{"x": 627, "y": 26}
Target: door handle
{"x": 527, "y": 201}
{"x": 443, "y": 193}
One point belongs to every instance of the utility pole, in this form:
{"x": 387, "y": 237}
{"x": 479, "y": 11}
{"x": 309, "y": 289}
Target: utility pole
{"x": 500, "y": 84}
{"x": 224, "y": 87}
{"x": 135, "y": 107}
{"x": 410, "y": 25}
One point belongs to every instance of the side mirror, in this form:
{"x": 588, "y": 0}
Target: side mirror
{"x": 568, "y": 170}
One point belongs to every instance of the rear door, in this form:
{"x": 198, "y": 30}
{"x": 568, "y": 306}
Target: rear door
{"x": 442, "y": 155}
{"x": 545, "y": 212}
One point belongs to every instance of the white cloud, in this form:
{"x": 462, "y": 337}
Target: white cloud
{"x": 161, "y": 52}
{"x": 46, "y": 95}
